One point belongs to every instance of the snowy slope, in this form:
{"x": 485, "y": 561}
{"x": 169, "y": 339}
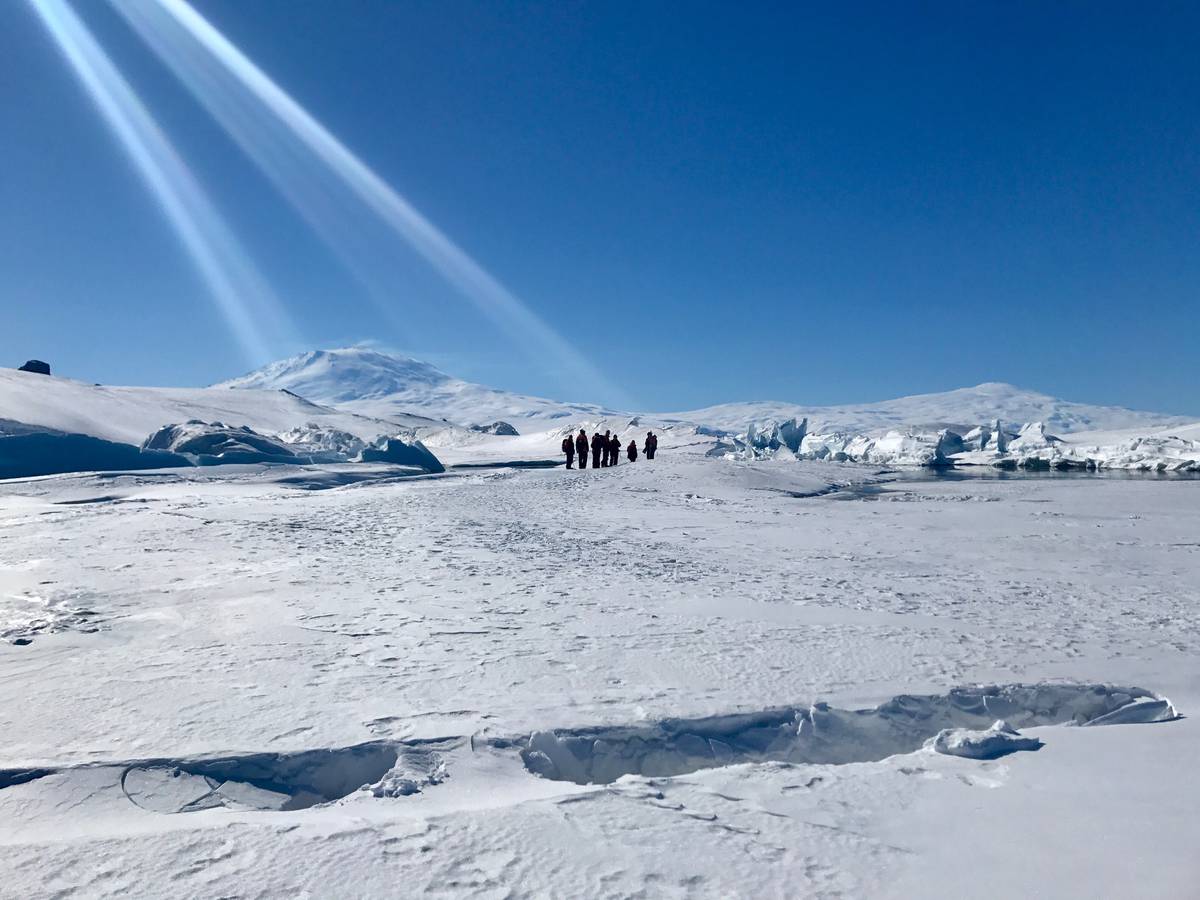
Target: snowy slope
{"x": 964, "y": 407}
{"x": 379, "y": 384}
{"x": 130, "y": 414}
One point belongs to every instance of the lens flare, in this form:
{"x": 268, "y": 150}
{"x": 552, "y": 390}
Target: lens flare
{"x": 189, "y": 45}
{"x": 242, "y": 296}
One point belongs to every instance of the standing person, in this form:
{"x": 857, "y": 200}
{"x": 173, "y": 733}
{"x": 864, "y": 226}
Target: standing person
{"x": 651, "y": 444}
{"x": 568, "y": 447}
{"x": 581, "y": 445}
{"x": 614, "y": 450}
{"x": 598, "y": 441}
{"x": 631, "y": 450}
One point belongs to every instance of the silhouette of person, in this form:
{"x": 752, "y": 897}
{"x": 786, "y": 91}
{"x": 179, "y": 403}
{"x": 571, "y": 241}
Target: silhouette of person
{"x": 651, "y": 445}
{"x": 581, "y": 448}
{"x": 568, "y": 447}
{"x": 631, "y": 451}
{"x": 598, "y": 443}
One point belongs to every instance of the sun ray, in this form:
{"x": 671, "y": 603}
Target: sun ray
{"x": 242, "y": 296}
{"x": 175, "y": 31}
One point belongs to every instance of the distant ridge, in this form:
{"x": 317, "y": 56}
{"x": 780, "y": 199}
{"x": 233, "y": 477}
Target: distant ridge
{"x": 960, "y": 408}
{"x": 373, "y": 383}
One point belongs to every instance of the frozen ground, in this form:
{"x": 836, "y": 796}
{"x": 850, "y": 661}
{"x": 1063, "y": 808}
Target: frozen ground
{"x": 203, "y": 668}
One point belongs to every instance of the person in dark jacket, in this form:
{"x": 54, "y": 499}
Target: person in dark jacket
{"x": 614, "y": 450}
{"x": 631, "y": 451}
{"x": 581, "y": 447}
{"x": 598, "y": 443}
{"x": 568, "y": 447}
{"x": 651, "y": 444}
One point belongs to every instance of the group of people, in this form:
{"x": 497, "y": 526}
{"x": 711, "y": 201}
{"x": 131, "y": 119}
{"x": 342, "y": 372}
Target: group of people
{"x": 606, "y": 449}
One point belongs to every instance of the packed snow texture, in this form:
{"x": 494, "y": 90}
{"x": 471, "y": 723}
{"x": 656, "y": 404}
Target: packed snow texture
{"x": 337, "y": 671}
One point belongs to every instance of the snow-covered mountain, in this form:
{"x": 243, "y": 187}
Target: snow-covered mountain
{"x": 377, "y": 384}
{"x": 962, "y": 409}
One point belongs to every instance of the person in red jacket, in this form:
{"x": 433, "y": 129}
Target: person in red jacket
{"x": 581, "y": 448}
{"x": 568, "y": 447}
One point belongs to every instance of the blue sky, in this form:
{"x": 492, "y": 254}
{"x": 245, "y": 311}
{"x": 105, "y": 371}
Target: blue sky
{"x": 819, "y": 203}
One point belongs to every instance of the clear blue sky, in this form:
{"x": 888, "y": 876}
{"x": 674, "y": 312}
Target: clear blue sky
{"x": 713, "y": 202}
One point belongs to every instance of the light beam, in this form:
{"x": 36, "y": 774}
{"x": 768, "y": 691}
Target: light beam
{"x": 241, "y": 294}
{"x": 174, "y": 30}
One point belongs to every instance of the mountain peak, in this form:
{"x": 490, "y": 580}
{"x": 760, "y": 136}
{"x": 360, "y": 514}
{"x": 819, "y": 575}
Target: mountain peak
{"x": 384, "y": 385}
{"x": 342, "y": 374}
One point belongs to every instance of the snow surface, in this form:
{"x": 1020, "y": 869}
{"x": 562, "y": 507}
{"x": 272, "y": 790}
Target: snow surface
{"x": 324, "y": 681}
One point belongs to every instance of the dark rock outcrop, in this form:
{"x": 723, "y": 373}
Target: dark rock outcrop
{"x": 36, "y": 366}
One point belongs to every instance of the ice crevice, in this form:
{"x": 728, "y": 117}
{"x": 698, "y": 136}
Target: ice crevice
{"x": 261, "y": 781}
{"x": 977, "y": 722}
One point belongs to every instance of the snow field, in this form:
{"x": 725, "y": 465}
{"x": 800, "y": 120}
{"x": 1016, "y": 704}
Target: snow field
{"x": 270, "y": 641}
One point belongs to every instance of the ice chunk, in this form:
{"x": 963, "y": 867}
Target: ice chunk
{"x": 216, "y": 442}
{"x": 395, "y": 450}
{"x": 991, "y": 743}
